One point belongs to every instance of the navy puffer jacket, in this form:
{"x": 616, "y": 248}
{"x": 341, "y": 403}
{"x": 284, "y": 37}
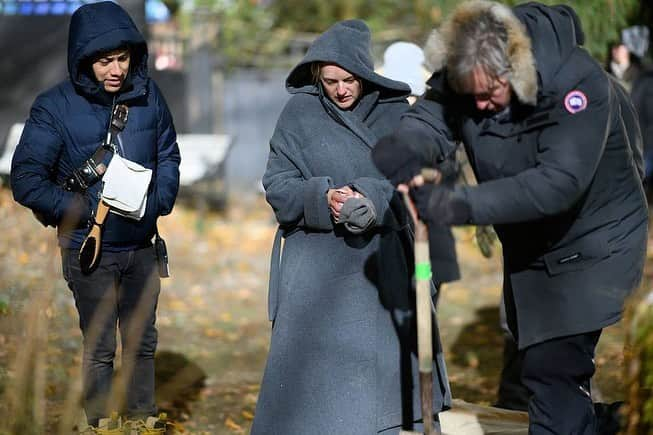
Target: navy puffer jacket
{"x": 69, "y": 122}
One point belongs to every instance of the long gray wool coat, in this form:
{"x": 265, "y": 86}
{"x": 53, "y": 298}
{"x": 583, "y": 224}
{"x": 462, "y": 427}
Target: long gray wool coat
{"x": 342, "y": 357}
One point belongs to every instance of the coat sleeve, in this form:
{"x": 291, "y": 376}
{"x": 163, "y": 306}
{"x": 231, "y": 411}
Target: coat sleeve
{"x": 426, "y": 128}
{"x": 297, "y": 198}
{"x": 168, "y": 158}
{"x": 567, "y": 158}
{"x": 379, "y": 191}
{"x": 32, "y": 166}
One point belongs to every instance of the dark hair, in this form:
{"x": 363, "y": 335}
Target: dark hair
{"x": 86, "y": 64}
{"x": 316, "y": 67}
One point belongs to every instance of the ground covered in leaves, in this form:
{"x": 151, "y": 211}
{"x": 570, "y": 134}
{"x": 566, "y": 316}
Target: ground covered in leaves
{"x": 212, "y": 321}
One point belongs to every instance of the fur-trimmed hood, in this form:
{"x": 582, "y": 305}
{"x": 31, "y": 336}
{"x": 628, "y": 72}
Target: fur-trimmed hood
{"x": 540, "y": 38}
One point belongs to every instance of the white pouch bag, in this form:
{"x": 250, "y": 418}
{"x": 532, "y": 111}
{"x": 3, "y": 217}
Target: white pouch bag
{"x": 125, "y": 187}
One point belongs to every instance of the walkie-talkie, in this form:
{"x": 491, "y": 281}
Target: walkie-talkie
{"x": 161, "y": 255}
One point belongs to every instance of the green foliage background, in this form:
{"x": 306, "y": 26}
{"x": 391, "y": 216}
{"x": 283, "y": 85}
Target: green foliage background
{"x": 260, "y": 33}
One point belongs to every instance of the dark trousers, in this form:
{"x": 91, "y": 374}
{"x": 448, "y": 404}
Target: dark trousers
{"x": 122, "y": 291}
{"x": 557, "y": 373}
{"x": 512, "y": 393}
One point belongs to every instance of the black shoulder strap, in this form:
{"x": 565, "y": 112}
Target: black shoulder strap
{"x": 92, "y": 169}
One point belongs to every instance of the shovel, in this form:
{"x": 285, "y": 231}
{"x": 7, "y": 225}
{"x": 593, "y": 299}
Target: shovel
{"x": 423, "y": 307}
{"x": 89, "y": 253}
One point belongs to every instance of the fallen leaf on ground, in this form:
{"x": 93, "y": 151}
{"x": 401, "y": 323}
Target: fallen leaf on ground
{"x": 214, "y": 333}
{"x": 233, "y": 425}
{"x": 23, "y": 258}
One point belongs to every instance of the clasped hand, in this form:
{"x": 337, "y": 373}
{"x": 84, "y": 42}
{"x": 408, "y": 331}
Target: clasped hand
{"x": 352, "y": 209}
{"x": 337, "y": 197}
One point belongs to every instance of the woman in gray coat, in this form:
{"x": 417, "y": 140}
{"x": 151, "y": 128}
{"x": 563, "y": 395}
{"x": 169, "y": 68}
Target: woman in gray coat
{"x": 342, "y": 357}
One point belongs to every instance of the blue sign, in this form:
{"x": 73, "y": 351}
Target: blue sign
{"x": 41, "y": 7}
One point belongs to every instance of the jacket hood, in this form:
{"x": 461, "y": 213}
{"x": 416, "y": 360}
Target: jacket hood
{"x": 100, "y": 27}
{"x": 346, "y": 44}
{"x": 554, "y": 31}
{"x": 540, "y": 38}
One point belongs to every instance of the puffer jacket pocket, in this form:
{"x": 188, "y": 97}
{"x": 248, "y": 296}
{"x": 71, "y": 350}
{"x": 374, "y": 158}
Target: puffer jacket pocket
{"x": 580, "y": 255}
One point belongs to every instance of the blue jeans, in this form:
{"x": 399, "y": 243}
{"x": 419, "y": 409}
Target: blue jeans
{"x": 123, "y": 291}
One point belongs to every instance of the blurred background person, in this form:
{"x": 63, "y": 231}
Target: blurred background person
{"x": 341, "y": 356}
{"x": 625, "y": 61}
{"x": 636, "y": 40}
{"x": 404, "y": 61}
{"x": 622, "y": 64}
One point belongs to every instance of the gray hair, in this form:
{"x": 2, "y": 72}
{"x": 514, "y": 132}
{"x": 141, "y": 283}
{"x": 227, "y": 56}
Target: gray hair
{"x": 483, "y": 43}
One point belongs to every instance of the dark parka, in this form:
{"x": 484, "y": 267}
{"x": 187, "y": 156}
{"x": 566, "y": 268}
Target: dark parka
{"x": 642, "y": 95}
{"x": 560, "y": 182}
{"x": 68, "y": 122}
{"x": 338, "y": 301}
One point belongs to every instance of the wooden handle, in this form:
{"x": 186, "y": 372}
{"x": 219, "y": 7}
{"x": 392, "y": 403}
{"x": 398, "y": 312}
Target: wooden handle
{"x": 424, "y": 321}
{"x": 96, "y": 230}
{"x": 101, "y": 213}
{"x": 89, "y": 253}
{"x": 431, "y": 175}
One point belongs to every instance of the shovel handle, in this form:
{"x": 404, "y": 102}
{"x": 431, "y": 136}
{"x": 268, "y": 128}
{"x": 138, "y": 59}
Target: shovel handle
{"x": 423, "y": 308}
{"x": 423, "y": 305}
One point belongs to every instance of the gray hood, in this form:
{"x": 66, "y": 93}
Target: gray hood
{"x": 347, "y": 44}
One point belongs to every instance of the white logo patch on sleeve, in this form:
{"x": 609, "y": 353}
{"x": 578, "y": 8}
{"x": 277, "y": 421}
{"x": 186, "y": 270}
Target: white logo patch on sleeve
{"x": 575, "y": 101}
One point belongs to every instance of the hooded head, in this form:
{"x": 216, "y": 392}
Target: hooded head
{"x": 486, "y": 35}
{"x": 100, "y": 28}
{"x": 347, "y": 45}
{"x": 526, "y": 45}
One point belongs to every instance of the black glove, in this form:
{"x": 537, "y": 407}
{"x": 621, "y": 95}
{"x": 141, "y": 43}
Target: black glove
{"x": 437, "y": 204}
{"x": 449, "y": 169}
{"x": 397, "y": 161}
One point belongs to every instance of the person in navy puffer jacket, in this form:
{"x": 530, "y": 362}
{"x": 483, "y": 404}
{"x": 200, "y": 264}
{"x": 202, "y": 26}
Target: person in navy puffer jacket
{"x": 107, "y": 63}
